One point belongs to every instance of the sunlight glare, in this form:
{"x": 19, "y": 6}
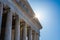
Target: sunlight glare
{"x": 39, "y": 16}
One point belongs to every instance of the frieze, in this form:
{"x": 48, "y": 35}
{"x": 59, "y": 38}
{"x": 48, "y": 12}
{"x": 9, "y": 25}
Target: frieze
{"x": 22, "y": 5}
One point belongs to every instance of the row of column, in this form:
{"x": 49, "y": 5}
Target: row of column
{"x": 17, "y": 30}
{"x": 31, "y": 35}
{"x": 8, "y": 30}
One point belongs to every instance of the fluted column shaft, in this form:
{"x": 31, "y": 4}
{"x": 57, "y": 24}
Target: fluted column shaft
{"x": 30, "y": 34}
{"x": 37, "y": 37}
{"x": 8, "y": 26}
{"x": 17, "y": 29}
{"x": 1, "y": 11}
{"x": 34, "y": 35}
{"x": 25, "y": 32}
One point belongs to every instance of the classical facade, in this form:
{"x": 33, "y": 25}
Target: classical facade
{"x": 17, "y": 21}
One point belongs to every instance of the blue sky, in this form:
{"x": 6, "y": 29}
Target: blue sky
{"x": 48, "y": 12}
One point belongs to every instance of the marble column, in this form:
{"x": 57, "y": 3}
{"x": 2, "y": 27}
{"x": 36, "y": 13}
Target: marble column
{"x": 37, "y": 36}
{"x": 17, "y": 28}
{"x": 8, "y": 29}
{"x": 30, "y": 34}
{"x": 25, "y": 32}
{"x": 1, "y": 11}
{"x": 34, "y": 35}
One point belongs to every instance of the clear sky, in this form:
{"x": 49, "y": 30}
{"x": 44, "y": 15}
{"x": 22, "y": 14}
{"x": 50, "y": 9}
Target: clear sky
{"x": 48, "y": 13}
